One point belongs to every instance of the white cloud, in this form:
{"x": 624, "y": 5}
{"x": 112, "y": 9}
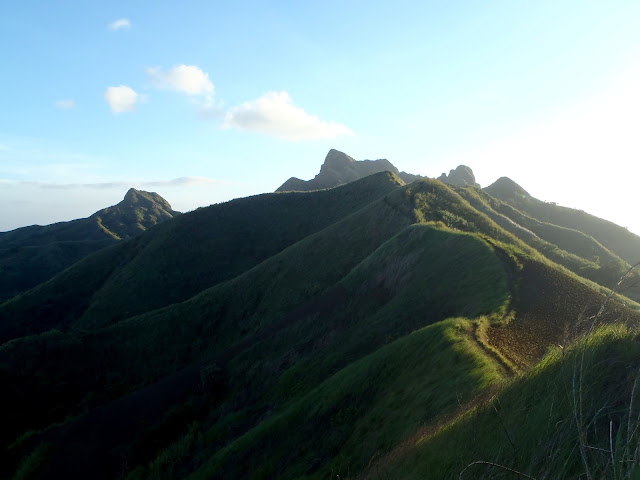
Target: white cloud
{"x": 187, "y": 79}
{"x": 275, "y": 113}
{"x": 121, "y": 99}
{"x": 120, "y": 24}
{"x": 65, "y": 104}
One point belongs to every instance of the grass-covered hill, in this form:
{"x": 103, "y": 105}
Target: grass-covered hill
{"x": 373, "y": 330}
{"x": 176, "y": 260}
{"x": 617, "y": 239}
{"x": 590, "y": 246}
{"x": 32, "y": 255}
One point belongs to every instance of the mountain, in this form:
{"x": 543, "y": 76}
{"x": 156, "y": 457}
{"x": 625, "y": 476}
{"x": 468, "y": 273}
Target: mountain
{"x": 592, "y": 247}
{"x": 376, "y": 329}
{"x": 339, "y": 168}
{"x": 618, "y": 239}
{"x": 32, "y": 255}
{"x": 462, "y": 176}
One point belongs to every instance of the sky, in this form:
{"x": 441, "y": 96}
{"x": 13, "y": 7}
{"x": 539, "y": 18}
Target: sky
{"x": 204, "y": 102}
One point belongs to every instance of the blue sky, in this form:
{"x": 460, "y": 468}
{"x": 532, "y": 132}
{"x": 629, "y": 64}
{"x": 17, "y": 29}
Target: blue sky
{"x": 208, "y": 101}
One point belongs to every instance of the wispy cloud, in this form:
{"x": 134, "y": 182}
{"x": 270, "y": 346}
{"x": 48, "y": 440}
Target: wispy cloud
{"x": 183, "y": 182}
{"x": 187, "y": 79}
{"x": 275, "y": 114}
{"x": 175, "y": 182}
{"x": 120, "y": 24}
{"x": 66, "y": 104}
{"x": 24, "y": 158}
{"x": 121, "y": 99}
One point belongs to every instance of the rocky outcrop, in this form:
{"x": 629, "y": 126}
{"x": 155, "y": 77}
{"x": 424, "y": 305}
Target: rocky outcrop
{"x": 339, "y": 168}
{"x": 462, "y": 176}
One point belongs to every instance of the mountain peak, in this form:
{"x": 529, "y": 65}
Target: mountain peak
{"x": 462, "y": 176}
{"x": 131, "y": 197}
{"x": 505, "y": 189}
{"x": 132, "y": 192}
{"x": 141, "y": 199}
{"x": 337, "y": 158}
{"x": 339, "y": 168}
{"x": 134, "y": 214}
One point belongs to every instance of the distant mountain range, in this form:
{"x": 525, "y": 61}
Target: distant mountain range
{"x": 31, "y": 255}
{"x": 339, "y": 168}
{"x": 374, "y": 329}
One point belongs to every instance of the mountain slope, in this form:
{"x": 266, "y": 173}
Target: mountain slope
{"x": 574, "y": 250}
{"x": 617, "y": 239}
{"x": 289, "y": 335}
{"x": 165, "y": 266}
{"x": 32, "y": 255}
{"x": 589, "y": 246}
{"x": 254, "y": 328}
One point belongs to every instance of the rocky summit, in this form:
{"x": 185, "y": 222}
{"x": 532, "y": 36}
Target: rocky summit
{"x": 339, "y": 168}
{"x": 462, "y": 176}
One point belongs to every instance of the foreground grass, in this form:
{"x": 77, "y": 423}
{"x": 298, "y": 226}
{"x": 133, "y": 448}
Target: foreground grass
{"x": 535, "y": 424}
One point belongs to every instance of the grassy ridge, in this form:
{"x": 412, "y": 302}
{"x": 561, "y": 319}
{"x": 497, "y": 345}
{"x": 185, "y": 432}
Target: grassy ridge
{"x": 252, "y": 303}
{"x": 615, "y": 238}
{"x": 583, "y": 255}
{"x": 144, "y": 348}
{"x": 354, "y": 416}
{"x": 531, "y": 425}
{"x": 273, "y": 367}
{"x": 377, "y": 308}
{"x": 568, "y": 239}
{"x": 232, "y": 237}
{"x": 162, "y": 268}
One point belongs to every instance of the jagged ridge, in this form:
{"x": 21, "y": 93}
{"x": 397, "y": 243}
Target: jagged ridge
{"x": 339, "y": 168}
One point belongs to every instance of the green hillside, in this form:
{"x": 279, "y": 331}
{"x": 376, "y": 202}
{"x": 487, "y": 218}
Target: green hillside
{"x": 180, "y": 258}
{"x": 373, "y": 330}
{"x": 573, "y": 249}
{"x": 617, "y": 239}
{"x": 32, "y": 255}
{"x": 549, "y": 423}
